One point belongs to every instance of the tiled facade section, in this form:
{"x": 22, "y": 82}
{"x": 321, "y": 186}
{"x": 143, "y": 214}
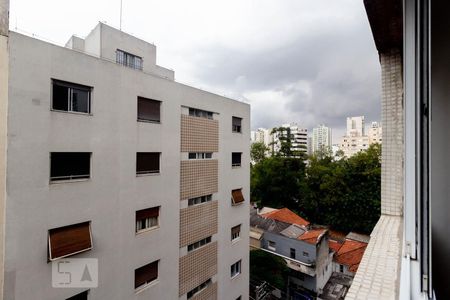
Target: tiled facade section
{"x": 379, "y": 270}
{"x": 199, "y": 134}
{"x": 208, "y": 294}
{"x": 392, "y": 146}
{"x": 196, "y": 267}
{"x": 198, "y": 178}
{"x": 198, "y": 222}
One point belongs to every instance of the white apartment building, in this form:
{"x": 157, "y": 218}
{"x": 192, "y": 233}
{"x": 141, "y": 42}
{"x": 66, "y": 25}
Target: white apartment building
{"x": 355, "y": 126}
{"x": 110, "y": 158}
{"x": 262, "y": 135}
{"x": 375, "y": 133}
{"x": 298, "y": 135}
{"x": 321, "y": 138}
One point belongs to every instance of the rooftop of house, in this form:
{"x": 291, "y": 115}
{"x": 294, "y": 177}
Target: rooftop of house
{"x": 285, "y": 215}
{"x": 285, "y": 222}
{"x": 350, "y": 254}
{"x": 334, "y": 245}
{"x": 313, "y": 236}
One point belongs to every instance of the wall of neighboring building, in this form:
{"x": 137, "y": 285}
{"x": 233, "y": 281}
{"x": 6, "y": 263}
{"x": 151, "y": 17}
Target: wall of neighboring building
{"x": 392, "y": 146}
{"x": 284, "y": 245}
{"x": 4, "y": 61}
{"x": 323, "y": 263}
{"x": 112, "y": 195}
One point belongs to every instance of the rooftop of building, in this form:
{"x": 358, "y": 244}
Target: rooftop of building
{"x": 285, "y": 215}
{"x": 350, "y": 254}
{"x": 313, "y": 236}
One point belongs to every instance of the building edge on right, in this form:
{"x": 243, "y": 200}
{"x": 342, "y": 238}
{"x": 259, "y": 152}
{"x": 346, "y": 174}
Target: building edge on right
{"x": 407, "y": 257}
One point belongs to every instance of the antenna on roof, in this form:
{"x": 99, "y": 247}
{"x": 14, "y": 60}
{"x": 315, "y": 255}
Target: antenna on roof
{"x": 120, "y": 27}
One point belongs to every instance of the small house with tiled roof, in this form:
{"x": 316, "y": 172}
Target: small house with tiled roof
{"x": 303, "y": 246}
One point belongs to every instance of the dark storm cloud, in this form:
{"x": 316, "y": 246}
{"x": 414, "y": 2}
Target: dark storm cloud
{"x": 337, "y": 69}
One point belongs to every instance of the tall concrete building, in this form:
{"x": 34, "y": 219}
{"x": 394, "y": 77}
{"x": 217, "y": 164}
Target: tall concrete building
{"x": 321, "y": 138}
{"x": 375, "y": 133}
{"x": 355, "y": 126}
{"x": 297, "y": 134}
{"x": 109, "y": 158}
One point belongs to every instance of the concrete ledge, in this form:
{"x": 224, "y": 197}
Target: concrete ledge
{"x": 378, "y": 275}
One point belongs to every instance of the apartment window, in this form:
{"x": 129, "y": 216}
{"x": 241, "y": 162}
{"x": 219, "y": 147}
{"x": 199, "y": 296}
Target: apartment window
{"x": 200, "y": 155}
{"x": 235, "y": 269}
{"x": 199, "y": 244}
{"x": 147, "y": 219}
{"x": 194, "y": 112}
{"x": 272, "y": 246}
{"x": 341, "y": 268}
{"x": 146, "y": 274}
{"x": 147, "y": 162}
{"x": 292, "y": 253}
{"x": 237, "y": 124}
{"x": 128, "y": 60}
{"x": 69, "y": 240}
{"x": 305, "y": 254}
{"x": 71, "y": 97}
{"x": 148, "y": 110}
{"x": 69, "y": 165}
{"x": 235, "y": 232}
{"x": 80, "y": 296}
{"x": 237, "y": 197}
{"x": 236, "y": 159}
{"x": 199, "y": 200}
{"x": 198, "y": 289}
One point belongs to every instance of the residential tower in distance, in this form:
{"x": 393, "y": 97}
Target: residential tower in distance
{"x": 355, "y": 139}
{"x": 321, "y": 138}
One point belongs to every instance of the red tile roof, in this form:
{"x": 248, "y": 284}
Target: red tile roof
{"x": 312, "y": 236}
{"x": 350, "y": 254}
{"x": 334, "y": 245}
{"x": 287, "y": 216}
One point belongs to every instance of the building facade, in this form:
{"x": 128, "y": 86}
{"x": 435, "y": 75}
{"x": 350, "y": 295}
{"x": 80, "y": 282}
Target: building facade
{"x": 375, "y": 133}
{"x": 109, "y": 158}
{"x": 304, "y": 248}
{"x": 297, "y": 135}
{"x": 356, "y": 126}
{"x": 321, "y": 138}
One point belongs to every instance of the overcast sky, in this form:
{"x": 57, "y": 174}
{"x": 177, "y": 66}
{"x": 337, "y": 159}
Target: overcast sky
{"x": 303, "y": 61}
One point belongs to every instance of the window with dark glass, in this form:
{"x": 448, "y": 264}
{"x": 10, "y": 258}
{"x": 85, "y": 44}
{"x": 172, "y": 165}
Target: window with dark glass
{"x": 235, "y": 232}
{"x": 199, "y": 244}
{"x": 194, "y": 112}
{"x": 149, "y": 110}
{"x": 292, "y": 253}
{"x": 69, "y": 240}
{"x": 128, "y": 60}
{"x": 69, "y": 165}
{"x": 71, "y": 97}
{"x": 237, "y": 124}
{"x": 200, "y": 155}
{"x": 145, "y": 274}
{"x": 235, "y": 269}
{"x": 198, "y": 289}
{"x": 80, "y": 296}
{"x": 199, "y": 200}
{"x": 236, "y": 159}
{"x": 147, "y": 162}
{"x": 147, "y": 219}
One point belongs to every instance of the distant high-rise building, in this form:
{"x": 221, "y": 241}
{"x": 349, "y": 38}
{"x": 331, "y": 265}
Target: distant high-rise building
{"x": 355, "y": 139}
{"x": 321, "y": 138}
{"x": 375, "y": 133}
{"x": 355, "y": 126}
{"x": 298, "y": 135}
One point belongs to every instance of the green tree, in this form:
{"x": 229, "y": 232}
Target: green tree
{"x": 277, "y": 182}
{"x": 258, "y": 152}
{"x": 268, "y": 267}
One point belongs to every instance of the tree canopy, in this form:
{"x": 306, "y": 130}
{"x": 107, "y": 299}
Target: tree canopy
{"x": 343, "y": 193}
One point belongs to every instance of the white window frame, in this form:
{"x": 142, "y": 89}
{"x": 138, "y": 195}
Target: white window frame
{"x": 235, "y": 269}
{"x": 199, "y": 200}
{"x": 271, "y": 245}
{"x": 199, "y": 244}
{"x": 150, "y": 223}
{"x": 200, "y": 155}
{"x": 236, "y": 237}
